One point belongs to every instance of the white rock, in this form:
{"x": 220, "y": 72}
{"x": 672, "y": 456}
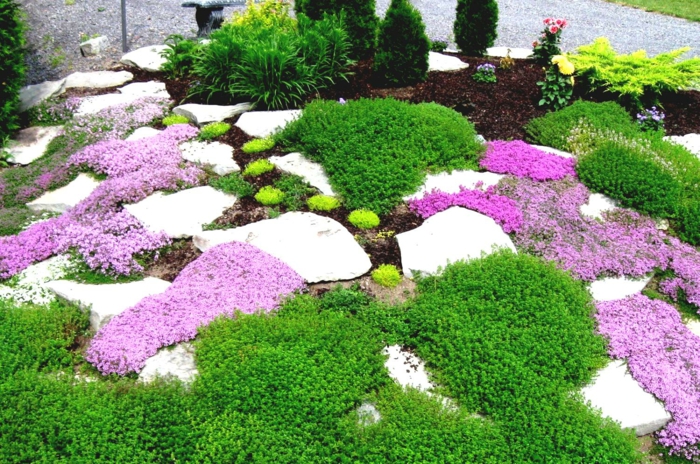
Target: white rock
{"x": 203, "y": 114}
{"x": 440, "y": 62}
{"x": 694, "y": 327}
{"x": 451, "y": 235}
{"x": 265, "y": 123}
{"x": 177, "y": 362}
{"x": 617, "y": 288}
{"x": 64, "y": 198}
{"x": 181, "y": 214}
{"x": 515, "y": 53}
{"x": 29, "y": 286}
{"x": 553, "y": 151}
{"x": 94, "y": 46}
{"x": 218, "y": 155}
{"x": 689, "y": 141}
{"x": 95, "y": 104}
{"x": 449, "y": 182}
{"x": 368, "y": 414}
{"x": 98, "y": 79}
{"x": 143, "y": 133}
{"x": 312, "y": 172}
{"x": 31, "y": 143}
{"x": 622, "y": 399}
{"x": 147, "y": 58}
{"x": 316, "y": 247}
{"x": 32, "y": 95}
{"x": 107, "y": 300}
{"x": 145, "y": 89}
{"x": 597, "y": 205}
{"x": 407, "y": 369}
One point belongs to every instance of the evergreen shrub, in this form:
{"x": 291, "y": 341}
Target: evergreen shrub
{"x": 475, "y": 25}
{"x": 12, "y": 67}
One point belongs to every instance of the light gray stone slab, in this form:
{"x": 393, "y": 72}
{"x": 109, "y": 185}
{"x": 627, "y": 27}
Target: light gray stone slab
{"x": 181, "y": 214}
{"x": 29, "y": 286}
{"x": 440, "y": 62}
{"x": 147, "y": 58}
{"x": 171, "y": 362}
{"x": 694, "y": 327}
{"x": 95, "y": 104}
{"x": 265, "y": 123}
{"x": 515, "y": 53}
{"x": 32, "y": 95}
{"x": 64, "y": 198}
{"x": 553, "y": 151}
{"x": 450, "y": 182}
{"x": 97, "y": 79}
{"x": 204, "y": 114}
{"x": 31, "y": 143}
{"x": 449, "y": 236}
{"x": 94, "y": 46}
{"x": 407, "y": 369}
{"x": 313, "y": 173}
{"x": 108, "y": 300}
{"x": 218, "y": 155}
{"x": 617, "y": 288}
{"x": 615, "y": 392}
{"x": 145, "y": 89}
{"x": 367, "y": 414}
{"x": 143, "y": 133}
{"x": 318, "y": 248}
{"x": 597, "y": 205}
{"x": 689, "y": 141}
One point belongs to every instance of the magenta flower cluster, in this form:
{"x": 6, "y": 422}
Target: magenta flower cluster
{"x": 663, "y": 355}
{"x": 522, "y": 160}
{"x": 230, "y": 277}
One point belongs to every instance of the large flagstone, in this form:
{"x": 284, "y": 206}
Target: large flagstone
{"x": 31, "y": 143}
{"x": 450, "y": 182}
{"x": 617, "y": 288}
{"x": 311, "y": 172}
{"x": 203, "y": 114}
{"x": 218, "y": 155}
{"x": 440, "y": 62}
{"x": 98, "y": 79}
{"x": 171, "y": 362}
{"x": 64, "y": 198}
{"x": 147, "y": 58}
{"x": 265, "y": 123}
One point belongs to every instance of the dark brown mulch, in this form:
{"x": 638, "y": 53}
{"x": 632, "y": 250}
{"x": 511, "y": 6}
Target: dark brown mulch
{"x": 173, "y": 260}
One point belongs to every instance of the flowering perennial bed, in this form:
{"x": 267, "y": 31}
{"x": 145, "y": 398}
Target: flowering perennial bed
{"x": 522, "y": 160}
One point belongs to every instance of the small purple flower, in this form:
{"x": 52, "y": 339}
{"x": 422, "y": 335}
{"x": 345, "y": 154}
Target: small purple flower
{"x": 342, "y": 101}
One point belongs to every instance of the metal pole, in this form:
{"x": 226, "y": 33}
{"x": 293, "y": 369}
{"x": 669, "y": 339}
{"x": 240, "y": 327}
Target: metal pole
{"x": 125, "y": 47}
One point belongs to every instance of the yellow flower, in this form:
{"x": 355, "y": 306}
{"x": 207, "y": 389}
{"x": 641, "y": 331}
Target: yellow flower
{"x": 572, "y": 80}
{"x": 566, "y": 67}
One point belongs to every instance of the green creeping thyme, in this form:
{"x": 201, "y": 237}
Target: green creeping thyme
{"x": 322, "y": 203}
{"x": 233, "y": 183}
{"x": 386, "y": 275}
{"x": 258, "y": 145}
{"x": 213, "y": 130}
{"x": 295, "y": 189}
{"x": 258, "y": 167}
{"x": 175, "y": 119}
{"x": 269, "y": 196}
{"x": 364, "y": 219}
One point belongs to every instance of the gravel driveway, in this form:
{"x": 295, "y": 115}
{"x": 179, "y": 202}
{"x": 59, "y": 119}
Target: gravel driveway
{"x": 57, "y": 25}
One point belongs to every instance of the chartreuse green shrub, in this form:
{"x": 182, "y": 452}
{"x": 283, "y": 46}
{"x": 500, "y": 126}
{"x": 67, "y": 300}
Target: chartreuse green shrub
{"x": 175, "y": 119}
{"x": 402, "y": 46}
{"x": 269, "y": 196}
{"x": 322, "y": 203}
{"x": 258, "y": 145}
{"x": 213, "y": 130}
{"x": 377, "y": 151}
{"x": 387, "y": 275}
{"x": 364, "y": 219}
{"x": 512, "y": 338}
{"x": 475, "y": 25}
{"x": 12, "y": 67}
{"x": 233, "y": 183}
{"x": 636, "y": 78}
{"x": 258, "y": 167}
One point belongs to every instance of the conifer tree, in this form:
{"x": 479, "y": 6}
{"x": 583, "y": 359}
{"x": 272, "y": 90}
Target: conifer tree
{"x": 475, "y": 25}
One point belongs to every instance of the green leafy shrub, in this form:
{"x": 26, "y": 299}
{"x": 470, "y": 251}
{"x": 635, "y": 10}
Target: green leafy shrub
{"x": 179, "y": 55}
{"x": 322, "y": 203}
{"x": 636, "y": 78}
{"x": 438, "y": 46}
{"x": 689, "y": 222}
{"x": 475, "y": 25}
{"x": 364, "y": 219}
{"x": 258, "y": 167}
{"x": 270, "y": 14}
{"x": 402, "y": 47}
{"x": 377, "y": 151}
{"x": 213, "y": 130}
{"x": 175, "y": 119}
{"x": 386, "y": 275}
{"x": 269, "y": 196}
{"x": 258, "y": 145}
{"x": 12, "y": 67}
{"x": 295, "y": 189}
{"x": 233, "y": 183}
{"x": 558, "y": 84}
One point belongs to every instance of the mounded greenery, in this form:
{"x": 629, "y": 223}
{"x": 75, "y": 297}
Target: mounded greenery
{"x": 269, "y": 196}
{"x": 386, "y": 275}
{"x": 364, "y": 219}
{"x": 179, "y": 56}
{"x": 475, "y": 25}
{"x": 322, "y": 203}
{"x": 175, "y": 119}
{"x": 377, "y": 151}
{"x": 403, "y": 47}
{"x": 213, "y": 130}
{"x": 257, "y": 145}
{"x": 295, "y": 190}
{"x": 258, "y": 167}
{"x": 233, "y": 183}
{"x": 12, "y": 67}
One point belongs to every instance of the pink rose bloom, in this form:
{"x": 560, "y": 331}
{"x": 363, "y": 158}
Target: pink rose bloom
{"x": 553, "y": 29}
{"x": 559, "y": 22}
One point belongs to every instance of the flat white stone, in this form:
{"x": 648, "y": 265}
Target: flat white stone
{"x": 318, "y": 248}
{"x": 617, "y": 288}
{"x": 407, "y": 369}
{"x": 145, "y": 89}
{"x": 143, "y": 133}
{"x": 177, "y": 362}
{"x": 689, "y": 141}
{"x": 312, "y": 172}
{"x": 30, "y": 284}
{"x": 32, "y": 95}
{"x": 553, "y": 151}
{"x": 368, "y": 414}
{"x": 64, "y": 198}
{"x": 218, "y": 155}
{"x": 515, "y": 53}
{"x": 95, "y": 104}
{"x": 203, "y": 114}
{"x": 265, "y": 123}
{"x": 98, "y": 79}
{"x": 449, "y": 182}
{"x": 181, "y": 214}
{"x": 622, "y": 399}
{"x": 451, "y": 235}
{"x": 146, "y": 58}
{"x": 597, "y": 205}
{"x": 694, "y": 327}
{"x": 108, "y": 300}
{"x": 440, "y": 62}
{"x": 31, "y": 143}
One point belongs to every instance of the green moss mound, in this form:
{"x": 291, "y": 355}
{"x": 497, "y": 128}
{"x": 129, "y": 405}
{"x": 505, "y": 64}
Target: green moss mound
{"x": 175, "y": 119}
{"x": 213, "y": 130}
{"x": 364, "y": 219}
{"x": 269, "y": 196}
{"x": 387, "y": 275}
{"x": 258, "y": 167}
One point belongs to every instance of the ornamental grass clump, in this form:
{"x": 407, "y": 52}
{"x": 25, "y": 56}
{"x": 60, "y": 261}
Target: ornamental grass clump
{"x": 213, "y": 130}
{"x": 258, "y": 167}
{"x": 269, "y": 196}
{"x": 364, "y": 219}
{"x": 322, "y": 203}
{"x": 387, "y": 275}
{"x": 258, "y": 145}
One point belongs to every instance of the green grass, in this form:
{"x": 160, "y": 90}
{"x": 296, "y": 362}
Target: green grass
{"x": 688, "y": 9}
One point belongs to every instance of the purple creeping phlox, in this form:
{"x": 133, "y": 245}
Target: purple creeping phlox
{"x": 522, "y": 160}
{"x": 663, "y": 355}
{"x": 106, "y": 235}
{"x": 230, "y": 277}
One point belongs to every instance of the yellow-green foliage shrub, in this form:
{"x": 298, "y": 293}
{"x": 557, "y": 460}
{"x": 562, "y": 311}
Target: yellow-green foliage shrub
{"x": 364, "y": 219}
{"x": 257, "y": 145}
{"x": 175, "y": 119}
{"x": 213, "y": 130}
{"x": 386, "y": 275}
{"x": 269, "y": 196}
{"x": 322, "y": 203}
{"x": 258, "y": 167}
{"x": 268, "y": 14}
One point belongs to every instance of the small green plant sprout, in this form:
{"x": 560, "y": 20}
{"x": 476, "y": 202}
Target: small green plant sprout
{"x": 269, "y": 196}
{"x": 485, "y": 73}
{"x": 233, "y": 183}
{"x": 213, "y": 130}
{"x": 651, "y": 120}
{"x": 175, "y": 119}
{"x": 322, "y": 203}
{"x": 258, "y": 167}
{"x": 387, "y": 275}
{"x": 258, "y": 145}
{"x": 364, "y": 219}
